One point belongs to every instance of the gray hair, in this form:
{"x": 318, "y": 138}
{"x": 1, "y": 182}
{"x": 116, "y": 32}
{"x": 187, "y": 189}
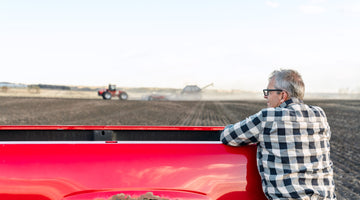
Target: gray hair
{"x": 290, "y": 81}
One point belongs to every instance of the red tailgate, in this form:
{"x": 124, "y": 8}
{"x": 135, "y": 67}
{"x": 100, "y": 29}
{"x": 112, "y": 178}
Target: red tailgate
{"x": 90, "y": 170}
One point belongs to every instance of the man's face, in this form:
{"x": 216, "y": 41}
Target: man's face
{"x": 274, "y": 97}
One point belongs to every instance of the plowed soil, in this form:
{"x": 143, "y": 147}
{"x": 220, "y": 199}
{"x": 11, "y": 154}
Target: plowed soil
{"x": 343, "y": 117}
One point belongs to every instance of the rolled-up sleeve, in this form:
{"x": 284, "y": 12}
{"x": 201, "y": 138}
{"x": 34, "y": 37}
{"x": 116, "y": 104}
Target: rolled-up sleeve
{"x": 244, "y": 132}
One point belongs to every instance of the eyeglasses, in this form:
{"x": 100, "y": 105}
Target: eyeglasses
{"x": 266, "y": 91}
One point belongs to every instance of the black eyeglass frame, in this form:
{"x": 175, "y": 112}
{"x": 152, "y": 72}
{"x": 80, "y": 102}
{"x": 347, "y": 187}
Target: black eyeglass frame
{"x": 266, "y": 91}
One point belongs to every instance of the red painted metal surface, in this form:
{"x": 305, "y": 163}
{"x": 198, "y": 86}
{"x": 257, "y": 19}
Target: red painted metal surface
{"x": 76, "y": 127}
{"x": 74, "y": 171}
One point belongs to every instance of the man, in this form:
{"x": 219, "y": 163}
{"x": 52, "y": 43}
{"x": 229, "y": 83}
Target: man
{"x": 293, "y": 154}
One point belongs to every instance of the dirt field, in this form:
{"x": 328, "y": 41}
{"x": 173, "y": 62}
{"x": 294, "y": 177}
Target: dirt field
{"x": 343, "y": 116}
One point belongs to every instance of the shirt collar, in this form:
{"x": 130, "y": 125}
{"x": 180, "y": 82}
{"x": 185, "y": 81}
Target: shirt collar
{"x": 292, "y": 100}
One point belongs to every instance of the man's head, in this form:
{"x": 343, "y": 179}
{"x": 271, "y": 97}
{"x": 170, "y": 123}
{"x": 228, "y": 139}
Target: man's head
{"x": 287, "y": 83}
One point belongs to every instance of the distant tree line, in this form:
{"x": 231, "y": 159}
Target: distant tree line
{"x": 53, "y": 87}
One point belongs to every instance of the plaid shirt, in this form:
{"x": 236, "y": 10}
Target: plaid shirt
{"x": 293, "y": 154}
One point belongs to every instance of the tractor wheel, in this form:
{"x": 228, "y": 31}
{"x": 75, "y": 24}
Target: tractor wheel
{"x": 123, "y": 96}
{"x": 106, "y": 95}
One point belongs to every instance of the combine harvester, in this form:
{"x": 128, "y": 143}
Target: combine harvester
{"x": 189, "y": 92}
{"x": 124, "y": 162}
{"x": 192, "y": 92}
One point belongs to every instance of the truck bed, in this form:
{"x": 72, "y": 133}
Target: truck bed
{"x": 97, "y": 162}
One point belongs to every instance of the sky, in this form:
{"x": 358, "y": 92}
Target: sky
{"x": 234, "y": 44}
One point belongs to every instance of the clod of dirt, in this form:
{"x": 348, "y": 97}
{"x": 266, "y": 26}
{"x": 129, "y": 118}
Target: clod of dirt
{"x": 147, "y": 196}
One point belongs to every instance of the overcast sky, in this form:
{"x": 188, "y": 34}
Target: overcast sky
{"x": 235, "y": 44}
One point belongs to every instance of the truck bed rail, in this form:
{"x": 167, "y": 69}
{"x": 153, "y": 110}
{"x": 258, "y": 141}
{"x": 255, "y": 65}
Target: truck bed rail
{"x": 109, "y": 133}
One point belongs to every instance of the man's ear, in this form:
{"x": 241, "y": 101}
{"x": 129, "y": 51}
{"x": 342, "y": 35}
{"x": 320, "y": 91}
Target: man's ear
{"x": 284, "y": 96}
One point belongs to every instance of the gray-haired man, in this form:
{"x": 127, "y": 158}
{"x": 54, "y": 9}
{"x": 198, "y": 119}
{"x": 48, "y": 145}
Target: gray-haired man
{"x": 293, "y": 154}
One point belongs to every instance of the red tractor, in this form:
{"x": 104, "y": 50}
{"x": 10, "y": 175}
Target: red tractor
{"x": 107, "y": 94}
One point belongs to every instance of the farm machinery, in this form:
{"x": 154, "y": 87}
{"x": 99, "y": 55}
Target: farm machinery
{"x": 155, "y": 97}
{"x": 111, "y": 91}
{"x": 193, "y": 91}
{"x": 189, "y": 92}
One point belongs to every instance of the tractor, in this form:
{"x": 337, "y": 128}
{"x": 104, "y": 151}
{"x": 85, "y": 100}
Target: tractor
{"x": 111, "y": 91}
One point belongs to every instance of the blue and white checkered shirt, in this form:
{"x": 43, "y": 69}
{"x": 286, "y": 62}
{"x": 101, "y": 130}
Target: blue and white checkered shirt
{"x": 293, "y": 154}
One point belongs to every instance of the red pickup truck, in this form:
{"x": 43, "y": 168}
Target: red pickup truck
{"x": 124, "y": 162}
